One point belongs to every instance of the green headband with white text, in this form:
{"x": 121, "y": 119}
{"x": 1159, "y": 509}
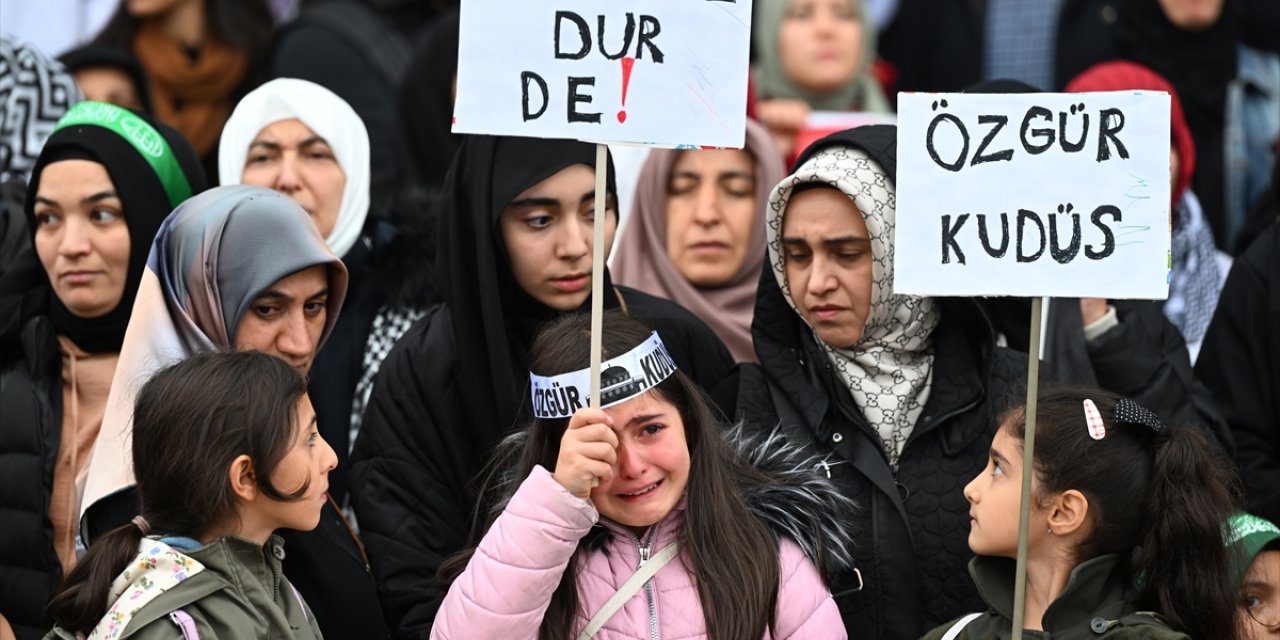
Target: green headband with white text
{"x": 141, "y": 135}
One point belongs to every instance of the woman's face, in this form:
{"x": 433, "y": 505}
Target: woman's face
{"x": 828, "y": 263}
{"x": 820, "y": 43}
{"x": 81, "y": 236}
{"x": 287, "y": 320}
{"x": 1192, "y": 15}
{"x": 108, "y": 84}
{"x": 289, "y": 157}
{"x": 548, "y": 230}
{"x": 308, "y": 463}
{"x": 653, "y": 463}
{"x": 1259, "y": 601}
{"x": 711, "y": 212}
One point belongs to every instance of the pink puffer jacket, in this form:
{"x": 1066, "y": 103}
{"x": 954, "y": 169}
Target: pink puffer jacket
{"x": 506, "y": 587}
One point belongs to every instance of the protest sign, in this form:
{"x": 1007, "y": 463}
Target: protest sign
{"x": 662, "y": 72}
{"x": 1033, "y": 195}
{"x": 1029, "y": 195}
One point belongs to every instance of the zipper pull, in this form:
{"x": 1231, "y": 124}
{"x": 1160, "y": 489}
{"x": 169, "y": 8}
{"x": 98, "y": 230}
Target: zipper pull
{"x": 644, "y": 555}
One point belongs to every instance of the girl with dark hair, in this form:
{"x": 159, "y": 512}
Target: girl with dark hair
{"x": 199, "y": 57}
{"x": 605, "y": 494}
{"x": 201, "y": 558}
{"x": 1125, "y": 537}
{"x": 96, "y": 200}
{"x": 241, "y": 268}
{"x": 515, "y": 243}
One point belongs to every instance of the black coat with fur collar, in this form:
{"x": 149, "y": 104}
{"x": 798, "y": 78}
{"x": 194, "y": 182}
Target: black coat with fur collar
{"x": 911, "y": 542}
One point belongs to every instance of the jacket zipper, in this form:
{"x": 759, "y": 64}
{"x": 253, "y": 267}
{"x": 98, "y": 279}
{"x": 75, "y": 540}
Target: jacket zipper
{"x": 644, "y": 548}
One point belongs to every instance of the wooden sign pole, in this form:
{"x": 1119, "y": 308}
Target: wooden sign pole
{"x": 1028, "y": 458}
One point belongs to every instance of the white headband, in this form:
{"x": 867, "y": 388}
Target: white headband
{"x": 621, "y": 379}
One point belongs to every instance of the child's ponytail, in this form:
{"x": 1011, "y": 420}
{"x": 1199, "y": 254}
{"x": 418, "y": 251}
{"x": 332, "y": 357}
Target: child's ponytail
{"x": 228, "y": 404}
{"x": 1158, "y": 495}
{"x": 81, "y": 599}
{"x": 1182, "y": 561}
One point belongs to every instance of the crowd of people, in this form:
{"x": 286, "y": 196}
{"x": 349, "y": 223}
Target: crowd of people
{"x": 282, "y": 356}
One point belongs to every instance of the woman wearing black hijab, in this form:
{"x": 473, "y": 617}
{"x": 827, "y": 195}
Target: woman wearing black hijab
{"x": 514, "y": 253}
{"x": 103, "y": 183}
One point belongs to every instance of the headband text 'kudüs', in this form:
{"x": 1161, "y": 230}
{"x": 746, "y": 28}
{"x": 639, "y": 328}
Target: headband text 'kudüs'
{"x": 621, "y": 379}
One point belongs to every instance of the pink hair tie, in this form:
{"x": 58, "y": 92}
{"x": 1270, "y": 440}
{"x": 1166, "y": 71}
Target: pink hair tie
{"x": 142, "y": 524}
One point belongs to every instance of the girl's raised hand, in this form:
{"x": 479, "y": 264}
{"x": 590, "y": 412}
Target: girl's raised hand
{"x": 588, "y": 451}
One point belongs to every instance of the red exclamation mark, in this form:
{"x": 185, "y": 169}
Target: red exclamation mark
{"x": 627, "y": 63}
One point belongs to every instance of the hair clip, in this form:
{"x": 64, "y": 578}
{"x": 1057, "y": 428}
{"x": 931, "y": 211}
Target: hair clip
{"x": 1130, "y": 412}
{"x": 1093, "y": 419}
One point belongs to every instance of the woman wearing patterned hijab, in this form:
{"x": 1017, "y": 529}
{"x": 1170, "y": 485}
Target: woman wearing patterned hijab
{"x": 899, "y": 392}
{"x": 100, "y": 188}
{"x": 35, "y": 91}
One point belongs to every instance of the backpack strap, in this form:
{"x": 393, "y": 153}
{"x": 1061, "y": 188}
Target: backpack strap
{"x": 954, "y": 631}
{"x": 628, "y": 589}
{"x": 186, "y": 623}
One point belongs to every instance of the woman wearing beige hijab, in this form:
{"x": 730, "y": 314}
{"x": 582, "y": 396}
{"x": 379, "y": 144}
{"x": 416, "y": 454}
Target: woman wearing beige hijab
{"x": 697, "y": 236}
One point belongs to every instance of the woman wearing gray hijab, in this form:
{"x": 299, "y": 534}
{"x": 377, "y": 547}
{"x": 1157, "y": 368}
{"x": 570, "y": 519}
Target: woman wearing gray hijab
{"x": 236, "y": 267}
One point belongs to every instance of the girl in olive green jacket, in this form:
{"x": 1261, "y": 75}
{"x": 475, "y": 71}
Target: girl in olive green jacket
{"x": 226, "y": 452}
{"x": 1124, "y": 538}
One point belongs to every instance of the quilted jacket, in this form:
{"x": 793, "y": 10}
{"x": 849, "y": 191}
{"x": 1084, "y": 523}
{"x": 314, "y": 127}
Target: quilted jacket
{"x": 504, "y": 591}
{"x": 911, "y": 545}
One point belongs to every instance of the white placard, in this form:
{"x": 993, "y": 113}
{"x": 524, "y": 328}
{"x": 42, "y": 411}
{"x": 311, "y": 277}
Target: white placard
{"x": 547, "y": 69}
{"x": 1038, "y": 194}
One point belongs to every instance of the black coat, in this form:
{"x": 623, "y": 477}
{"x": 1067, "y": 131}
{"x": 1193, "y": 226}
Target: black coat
{"x": 912, "y": 543}
{"x": 30, "y": 434}
{"x": 1240, "y": 363}
{"x": 418, "y": 452}
{"x": 938, "y": 45}
{"x": 911, "y": 547}
{"x": 340, "y": 362}
{"x": 1144, "y": 358}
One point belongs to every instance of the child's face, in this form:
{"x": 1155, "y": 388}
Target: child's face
{"x": 994, "y": 497}
{"x": 309, "y": 461}
{"x": 653, "y": 463}
{"x": 1259, "y": 601}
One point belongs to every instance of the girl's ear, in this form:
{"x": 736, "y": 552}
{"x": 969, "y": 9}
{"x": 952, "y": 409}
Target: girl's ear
{"x": 1068, "y": 513}
{"x": 243, "y": 481}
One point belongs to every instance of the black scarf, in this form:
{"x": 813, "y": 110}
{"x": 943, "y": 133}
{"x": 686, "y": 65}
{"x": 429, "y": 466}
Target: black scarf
{"x": 1199, "y": 65}
{"x": 494, "y": 319}
{"x": 145, "y": 206}
{"x": 426, "y": 104}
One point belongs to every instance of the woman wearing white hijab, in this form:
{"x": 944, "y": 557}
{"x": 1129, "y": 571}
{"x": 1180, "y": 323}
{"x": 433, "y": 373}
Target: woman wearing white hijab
{"x": 302, "y": 140}
{"x": 262, "y": 145}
